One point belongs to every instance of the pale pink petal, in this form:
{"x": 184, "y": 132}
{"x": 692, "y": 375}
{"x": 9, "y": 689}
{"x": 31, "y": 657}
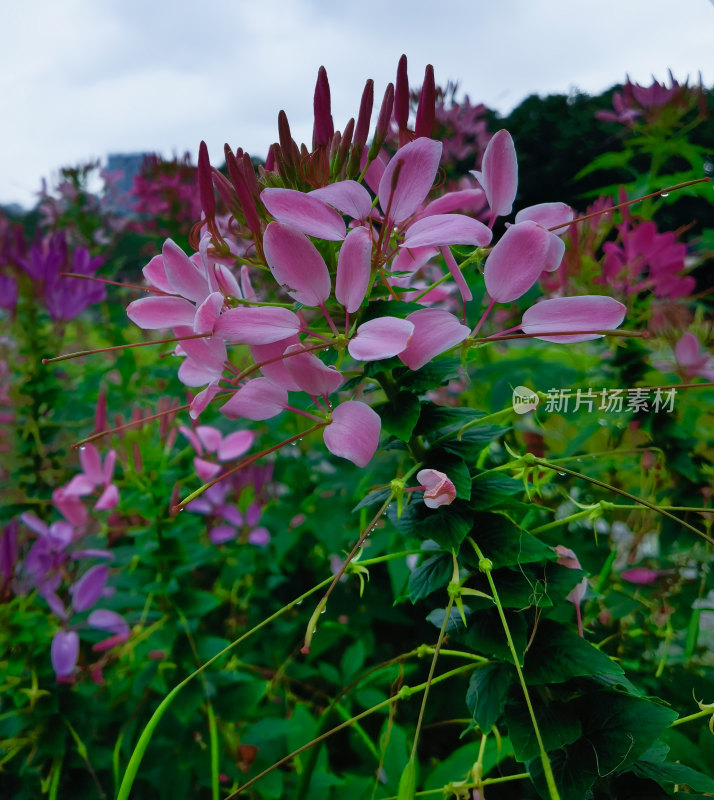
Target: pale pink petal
{"x": 206, "y": 470}
{"x": 353, "y": 269}
{"x": 227, "y": 282}
{"x": 465, "y": 200}
{"x": 155, "y": 273}
{"x": 444, "y": 229}
{"x": 105, "y": 620}
{"x": 434, "y": 332}
{"x": 686, "y": 351}
{"x": 194, "y": 373}
{"x": 296, "y": 264}
{"x": 348, "y": 197}
{"x": 586, "y": 313}
{"x": 64, "y": 652}
{"x": 202, "y": 399}
{"x": 246, "y": 286}
{"x": 376, "y": 168}
{"x": 108, "y": 469}
{"x": 230, "y": 514}
{"x": 210, "y": 353}
{"x": 305, "y": 213}
{"x": 34, "y": 523}
{"x": 209, "y": 437}
{"x": 548, "y": 215}
{"x": 310, "y": 374}
{"x": 556, "y": 251}
{"x": 516, "y": 261}
{"x": 415, "y": 166}
{"x": 207, "y": 313}
{"x": 235, "y": 444}
{"x": 191, "y": 436}
{"x": 457, "y": 274}
{"x": 642, "y": 575}
{"x": 152, "y": 313}
{"x": 109, "y": 499}
{"x": 79, "y": 486}
{"x": 182, "y": 274}
{"x": 353, "y": 433}
{"x": 412, "y": 259}
{"x": 259, "y": 537}
{"x": 276, "y": 370}
{"x": 60, "y": 534}
{"x": 438, "y": 489}
{"x": 382, "y": 337}
{"x": 257, "y": 325}
{"x": 499, "y": 174}
{"x": 253, "y": 514}
{"x": 259, "y": 399}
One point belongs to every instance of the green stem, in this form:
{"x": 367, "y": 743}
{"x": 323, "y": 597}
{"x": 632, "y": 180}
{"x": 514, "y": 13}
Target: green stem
{"x": 707, "y": 712}
{"x": 404, "y": 693}
{"x": 485, "y": 566}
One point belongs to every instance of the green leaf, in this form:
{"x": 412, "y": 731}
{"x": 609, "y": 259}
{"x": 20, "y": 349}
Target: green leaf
{"x": 558, "y": 724}
{"x": 378, "y": 496}
{"x": 429, "y": 376}
{"x": 574, "y": 770}
{"x": 433, "y": 574}
{"x": 621, "y": 728}
{"x": 492, "y": 490}
{"x": 455, "y": 623}
{"x": 448, "y": 526}
{"x": 486, "y": 636}
{"x": 558, "y": 654}
{"x": 486, "y": 695}
{"x": 504, "y": 543}
{"x": 407, "y": 782}
{"x": 472, "y": 441}
{"x": 434, "y": 417}
{"x": 198, "y": 604}
{"x": 668, "y": 772}
{"x": 400, "y": 416}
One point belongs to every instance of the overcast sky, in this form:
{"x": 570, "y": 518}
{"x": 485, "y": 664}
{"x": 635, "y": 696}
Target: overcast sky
{"x": 83, "y": 78}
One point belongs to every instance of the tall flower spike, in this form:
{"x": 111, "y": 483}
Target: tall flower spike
{"x": 385, "y": 115}
{"x": 401, "y": 100}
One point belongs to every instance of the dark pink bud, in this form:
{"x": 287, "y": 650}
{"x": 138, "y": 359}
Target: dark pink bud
{"x": 426, "y": 110}
{"x": 365, "y": 115}
{"x": 323, "y": 129}
{"x": 237, "y": 176}
{"x": 385, "y": 114}
{"x": 205, "y": 183}
{"x": 286, "y": 139}
{"x": 401, "y": 95}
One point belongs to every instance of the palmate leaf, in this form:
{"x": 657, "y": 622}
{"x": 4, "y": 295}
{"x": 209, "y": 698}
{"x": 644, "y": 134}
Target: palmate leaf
{"x": 486, "y": 695}
{"x": 558, "y": 724}
{"x": 400, "y": 415}
{"x": 433, "y": 574}
{"x": 503, "y": 542}
{"x": 448, "y": 526}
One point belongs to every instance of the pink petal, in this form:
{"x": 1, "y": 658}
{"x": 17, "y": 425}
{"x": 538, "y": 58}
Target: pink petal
{"x": 79, "y": 486}
{"x": 207, "y": 313}
{"x": 686, "y": 351}
{"x": 310, "y": 374}
{"x": 465, "y": 200}
{"x": 410, "y": 260}
{"x": 109, "y": 498}
{"x": 257, "y": 325}
{"x": 64, "y": 652}
{"x": 586, "y": 313}
{"x": 34, "y": 523}
{"x": 202, "y": 399}
{"x": 438, "y": 489}
{"x": 353, "y": 269}
{"x": 445, "y": 229}
{"x": 499, "y": 175}
{"x": 258, "y": 399}
{"x": 516, "y": 261}
{"x": 276, "y": 371}
{"x": 235, "y": 444}
{"x": 210, "y": 353}
{"x": 206, "y": 470}
{"x": 193, "y": 438}
{"x": 353, "y": 433}
{"x": 222, "y": 533}
{"x": 295, "y": 263}
{"x": 556, "y": 251}
{"x": 382, "y": 337}
{"x": 209, "y": 437}
{"x": 348, "y": 197}
{"x": 641, "y": 575}
{"x": 182, "y": 274}
{"x": 305, "y": 213}
{"x": 194, "y": 373}
{"x": 434, "y": 332}
{"x": 88, "y": 588}
{"x": 548, "y": 215}
{"x": 153, "y": 313}
{"x": 457, "y": 274}
{"x": 155, "y": 273}
{"x": 227, "y": 282}
{"x": 108, "y": 469}
{"x": 60, "y": 534}
{"x": 105, "y": 620}
{"x": 91, "y": 463}
{"x": 417, "y": 164}
{"x": 259, "y": 537}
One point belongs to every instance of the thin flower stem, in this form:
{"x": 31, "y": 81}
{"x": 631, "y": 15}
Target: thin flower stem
{"x": 432, "y": 668}
{"x": 485, "y": 566}
{"x": 404, "y": 693}
{"x": 452, "y": 788}
{"x": 80, "y": 353}
{"x": 133, "y": 423}
{"x": 641, "y": 501}
{"x": 94, "y": 278}
{"x": 503, "y": 337}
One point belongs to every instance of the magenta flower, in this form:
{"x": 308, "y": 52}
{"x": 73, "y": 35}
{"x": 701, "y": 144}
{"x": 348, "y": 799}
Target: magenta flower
{"x": 438, "y": 489}
{"x": 94, "y": 475}
{"x": 206, "y": 439}
{"x": 690, "y": 361}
